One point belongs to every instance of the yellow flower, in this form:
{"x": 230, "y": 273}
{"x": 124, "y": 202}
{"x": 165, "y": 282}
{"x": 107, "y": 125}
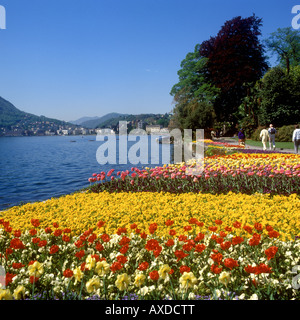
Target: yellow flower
{"x": 92, "y": 285}
{"x": 78, "y": 274}
{"x": 36, "y": 269}
{"x": 102, "y": 268}
{"x": 19, "y": 292}
{"x": 122, "y": 281}
{"x": 187, "y": 280}
{"x": 5, "y": 294}
{"x": 139, "y": 279}
{"x": 90, "y": 262}
{"x": 164, "y": 271}
{"x": 224, "y": 277}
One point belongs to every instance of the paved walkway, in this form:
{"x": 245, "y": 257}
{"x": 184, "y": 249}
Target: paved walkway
{"x": 234, "y": 141}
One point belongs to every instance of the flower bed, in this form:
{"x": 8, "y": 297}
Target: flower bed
{"x": 114, "y": 243}
{"x": 239, "y": 172}
{"x": 241, "y": 262}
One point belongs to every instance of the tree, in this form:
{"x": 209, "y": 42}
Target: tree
{"x": 285, "y": 43}
{"x": 193, "y": 94}
{"x": 280, "y": 96}
{"x": 235, "y": 59}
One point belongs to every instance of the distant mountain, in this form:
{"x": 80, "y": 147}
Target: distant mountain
{"x": 83, "y": 119}
{"x": 16, "y": 122}
{"x": 94, "y": 123}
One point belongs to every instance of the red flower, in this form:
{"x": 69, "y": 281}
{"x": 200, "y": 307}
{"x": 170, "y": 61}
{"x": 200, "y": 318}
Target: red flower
{"x": 67, "y": 230}
{"x": 255, "y": 240}
{"x": 36, "y": 240}
{"x": 217, "y": 257}
{"x": 200, "y": 247}
{"x": 182, "y": 237}
{"x": 228, "y": 229}
{"x": 124, "y": 241}
{"x": 193, "y": 221}
{"x": 180, "y": 254}
{"x": 225, "y": 245}
{"x": 54, "y": 248}
{"x": 79, "y": 243}
{"x": 124, "y": 249}
{"x": 116, "y": 266}
{"x": 154, "y": 275}
{"x": 68, "y": 273}
{"x": 143, "y": 266}
{"x": 183, "y": 269}
{"x": 17, "y": 233}
{"x": 16, "y": 243}
{"x": 215, "y": 269}
{"x": 8, "y": 278}
{"x": 223, "y": 234}
{"x": 143, "y": 235}
{"x": 17, "y": 265}
{"x": 122, "y": 259}
{"x": 248, "y": 229}
{"x": 152, "y": 245}
{"x": 237, "y": 224}
{"x": 200, "y": 236}
{"x": 99, "y": 246}
{"x": 187, "y": 228}
{"x": 187, "y": 247}
{"x": 42, "y": 243}
{"x": 33, "y": 232}
{"x": 79, "y": 254}
{"x": 105, "y": 237}
{"x": 121, "y": 230}
{"x": 172, "y": 232}
{"x": 169, "y": 222}
{"x": 170, "y": 243}
{"x": 57, "y": 232}
{"x": 152, "y": 227}
{"x": 100, "y": 224}
{"x": 213, "y": 228}
{"x": 230, "y": 263}
{"x": 219, "y": 222}
{"x": 55, "y": 224}
{"x": 269, "y": 228}
{"x": 273, "y": 234}
{"x": 48, "y": 230}
{"x": 237, "y": 240}
{"x": 263, "y": 268}
{"x": 92, "y": 238}
{"x": 35, "y": 222}
{"x": 133, "y": 226}
{"x": 66, "y": 238}
{"x": 258, "y": 226}
{"x": 250, "y": 269}
{"x": 270, "y": 252}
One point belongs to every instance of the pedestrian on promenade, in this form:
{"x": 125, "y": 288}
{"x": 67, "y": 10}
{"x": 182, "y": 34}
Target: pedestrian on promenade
{"x": 296, "y": 138}
{"x": 264, "y": 134}
{"x": 272, "y": 131}
{"x": 242, "y": 137}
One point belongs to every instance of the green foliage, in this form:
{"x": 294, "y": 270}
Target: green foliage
{"x": 280, "y": 97}
{"x": 285, "y": 133}
{"x": 285, "y": 43}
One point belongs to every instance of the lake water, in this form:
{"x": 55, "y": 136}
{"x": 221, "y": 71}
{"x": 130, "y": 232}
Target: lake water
{"x": 39, "y": 168}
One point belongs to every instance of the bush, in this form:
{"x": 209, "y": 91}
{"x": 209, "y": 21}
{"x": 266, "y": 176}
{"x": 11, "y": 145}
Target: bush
{"x": 285, "y": 133}
{"x": 256, "y": 133}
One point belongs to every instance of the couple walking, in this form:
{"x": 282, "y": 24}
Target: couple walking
{"x": 268, "y": 134}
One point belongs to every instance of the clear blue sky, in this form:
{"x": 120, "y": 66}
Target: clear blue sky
{"x": 71, "y": 58}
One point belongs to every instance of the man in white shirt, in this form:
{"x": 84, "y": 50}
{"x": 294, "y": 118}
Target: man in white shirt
{"x": 272, "y": 131}
{"x": 296, "y": 138}
{"x": 264, "y": 134}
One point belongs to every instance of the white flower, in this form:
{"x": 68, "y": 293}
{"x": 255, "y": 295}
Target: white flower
{"x": 242, "y": 296}
{"x": 254, "y": 297}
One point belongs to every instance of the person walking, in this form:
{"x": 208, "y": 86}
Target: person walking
{"x": 242, "y": 137}
{"x": 272, "y": 131}
{"x": 264, "y": 134}
{"x": 296, "y": 138}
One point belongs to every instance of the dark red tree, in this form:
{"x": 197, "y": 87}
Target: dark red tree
{"x": 235, "y": 59}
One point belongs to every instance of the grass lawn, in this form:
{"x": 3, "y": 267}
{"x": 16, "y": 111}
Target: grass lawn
{"x": 279, "y": 145}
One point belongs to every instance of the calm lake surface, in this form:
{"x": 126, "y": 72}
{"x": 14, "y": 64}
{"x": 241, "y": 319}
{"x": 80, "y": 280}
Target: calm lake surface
{"x": 39, "y": 168}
